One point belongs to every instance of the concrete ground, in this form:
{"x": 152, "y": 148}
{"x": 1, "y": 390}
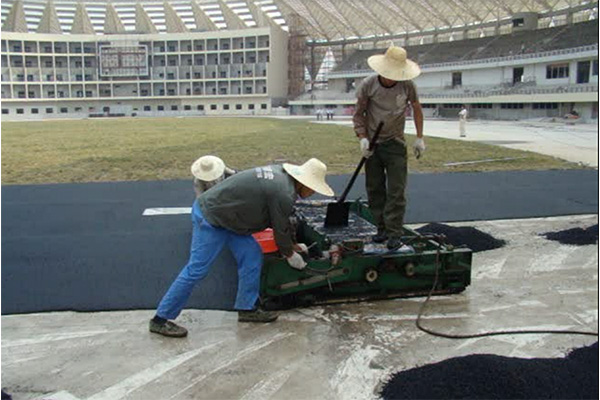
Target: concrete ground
{"x": 332, "y": 352}
{"x": 575, "y": 142}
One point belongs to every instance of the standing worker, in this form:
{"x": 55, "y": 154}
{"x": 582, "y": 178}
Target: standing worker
{"x": 462, "y": 121}
{"x": 227, "y": 215}
{"x": 385, "y": 97}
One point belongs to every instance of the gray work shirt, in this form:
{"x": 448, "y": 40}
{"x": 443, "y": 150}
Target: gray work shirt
{"x": 376, "y": 103}
{"x": 251, "y": 201}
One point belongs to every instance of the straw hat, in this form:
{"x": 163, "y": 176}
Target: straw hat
{"x": 311, "y": 174}
{"x": 208, "y": 168}
{"x": 394, "y": 65}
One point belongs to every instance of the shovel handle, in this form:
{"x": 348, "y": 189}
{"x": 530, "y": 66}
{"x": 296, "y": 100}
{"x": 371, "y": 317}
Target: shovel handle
{"x": 372, "y": 143}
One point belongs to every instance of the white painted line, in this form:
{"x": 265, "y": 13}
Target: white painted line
{"x": 266, "y": 388}
{"x": 123, "y": 388}
{"x": 62, "y": 395}
{"x": 166, "y": 211}
{"x": 55, "y": 337}
{"x": 242, "y": 354}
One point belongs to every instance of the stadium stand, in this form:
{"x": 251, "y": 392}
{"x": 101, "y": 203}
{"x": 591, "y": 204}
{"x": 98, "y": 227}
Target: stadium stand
{"x": 556, "y": 38}
{"x": 505, "y": 76}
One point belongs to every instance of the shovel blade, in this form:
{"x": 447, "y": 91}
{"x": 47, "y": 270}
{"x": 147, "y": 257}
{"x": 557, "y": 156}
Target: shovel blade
{"x": 337, "y": 214}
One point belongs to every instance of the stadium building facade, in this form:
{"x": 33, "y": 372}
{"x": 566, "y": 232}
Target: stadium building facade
{"x": 53, "y": 75}
{"x": 74, "y": 76}
{"x": 534, "y": 73}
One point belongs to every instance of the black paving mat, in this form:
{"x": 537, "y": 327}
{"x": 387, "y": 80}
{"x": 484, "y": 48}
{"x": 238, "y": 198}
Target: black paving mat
{"x": 485, "y": 376}
{"x": 467, "y": 236}
{"x": 575, "y": 236}
{"x": 87, "y": 247}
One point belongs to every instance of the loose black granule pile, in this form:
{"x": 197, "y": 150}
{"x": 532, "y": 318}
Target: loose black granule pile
{"x": 469, "y": 236}
{"x": 575, "y": 236}
{"x": 485, "y": 376}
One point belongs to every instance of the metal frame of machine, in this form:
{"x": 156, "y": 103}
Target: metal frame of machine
{"x": 344, "y": 265}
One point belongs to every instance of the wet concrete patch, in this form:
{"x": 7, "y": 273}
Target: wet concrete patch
{"x": 467, "y": 236}
{"x": 485, "y": 376}
{"x": 575, "y": 236}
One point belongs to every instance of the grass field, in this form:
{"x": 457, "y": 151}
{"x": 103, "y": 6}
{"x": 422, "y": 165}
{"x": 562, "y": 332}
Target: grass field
{"x": 157, "y": 149}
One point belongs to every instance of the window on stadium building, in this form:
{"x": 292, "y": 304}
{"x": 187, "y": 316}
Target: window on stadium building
{"x": 595, "y": 68}
{"x": 544, "y": 106}
{"x": 20, "y": 111}
{"x": 213, "y": 106}
{"x": 250, "y": 106}
{"x": 483, "y": 105}
{"x": 200, "y": 107}
{"x": 263, "y": 106}
{"x": 49, "y": 110}
{"x": 173, "y": 108}
{"x": 557, "y": 71}
{"x": 64, "y": 110}
{"x": 160, "y": 108}
{"x": 35, "y": 111}
{"x": 456, "y": 79}
{"x": 147, "y": 108}
{"x": 187, "y": 108}
{"x": 512, "y": 106}
{"x": 238, "y": 106}
{"x": 5, "y": 111}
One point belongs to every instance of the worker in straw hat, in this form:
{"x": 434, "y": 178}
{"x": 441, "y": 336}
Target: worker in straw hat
{"x": 385, "y": 97}
{"x": 226, "y": 215}
{"x": 208, "y": 171}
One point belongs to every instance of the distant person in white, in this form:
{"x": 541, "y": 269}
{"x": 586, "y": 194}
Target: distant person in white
{"x": 462, "y": 121}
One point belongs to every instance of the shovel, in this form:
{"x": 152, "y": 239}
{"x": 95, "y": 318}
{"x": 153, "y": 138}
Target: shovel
{"x": 337, "y": 213}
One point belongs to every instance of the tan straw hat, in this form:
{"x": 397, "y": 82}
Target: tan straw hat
{"x": 311, "y": 174}
{"x": 394, "y": 65}
{"x": 208, "y": 168}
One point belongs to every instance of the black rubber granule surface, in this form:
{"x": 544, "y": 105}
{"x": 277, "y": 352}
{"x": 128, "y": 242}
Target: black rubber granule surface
{"x": 485, "y": 376}
{"x": 467, "y": 235}
{"x": 575, "y": 236}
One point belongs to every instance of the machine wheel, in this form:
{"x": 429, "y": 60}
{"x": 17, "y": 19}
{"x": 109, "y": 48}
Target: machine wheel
{"x": 409, "y": 269}
{"x": 371, "y": 275}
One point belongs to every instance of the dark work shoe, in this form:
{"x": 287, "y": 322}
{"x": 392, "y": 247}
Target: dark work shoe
{"x": 169, "y": 329}
{"x": 380, "y": 236}
{"x": 394, "y": 243}
{"x": 257, "y": 316}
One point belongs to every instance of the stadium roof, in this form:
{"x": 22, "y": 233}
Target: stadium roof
{"x": 321, "y": 20}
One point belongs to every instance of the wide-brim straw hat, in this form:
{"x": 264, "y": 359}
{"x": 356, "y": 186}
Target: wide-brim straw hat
{"x": 311, "y": 174}
{"x": 394, "y": 65}
{"x": 208, "y": 168}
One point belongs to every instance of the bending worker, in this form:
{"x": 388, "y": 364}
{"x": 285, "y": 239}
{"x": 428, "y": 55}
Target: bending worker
{"x": 385, "y": 97}
{"x": 208, "y": 171}
{"x": 227, "y": 215}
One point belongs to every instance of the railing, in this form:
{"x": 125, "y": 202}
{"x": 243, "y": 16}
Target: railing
{"x": 499, "y": 91}
{"x": 478, "y": 92}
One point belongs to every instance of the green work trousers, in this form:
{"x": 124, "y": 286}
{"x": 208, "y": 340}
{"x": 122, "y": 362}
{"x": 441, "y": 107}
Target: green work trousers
{"x": 386, "y": 172}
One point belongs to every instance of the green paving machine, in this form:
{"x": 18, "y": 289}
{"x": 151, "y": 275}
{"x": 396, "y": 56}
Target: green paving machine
{"x": 344, "y": 265}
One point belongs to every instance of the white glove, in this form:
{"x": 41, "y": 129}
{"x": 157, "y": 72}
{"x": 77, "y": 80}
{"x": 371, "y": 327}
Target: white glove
{"x": 302, "y": 248}
{"x": 296, "y": 261}
{"x": 364, "y": 148}
{"x": 419, "y": 147}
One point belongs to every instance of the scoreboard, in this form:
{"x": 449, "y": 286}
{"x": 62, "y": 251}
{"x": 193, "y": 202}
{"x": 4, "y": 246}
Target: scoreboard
{"x": 118, "y": 61}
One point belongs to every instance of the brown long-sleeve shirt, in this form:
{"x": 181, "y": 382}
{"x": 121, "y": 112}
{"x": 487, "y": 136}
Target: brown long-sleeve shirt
{"x": 376, "y": 103}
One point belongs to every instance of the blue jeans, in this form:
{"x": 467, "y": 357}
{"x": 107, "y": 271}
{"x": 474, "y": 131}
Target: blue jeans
{"x": 207, "y": 243}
